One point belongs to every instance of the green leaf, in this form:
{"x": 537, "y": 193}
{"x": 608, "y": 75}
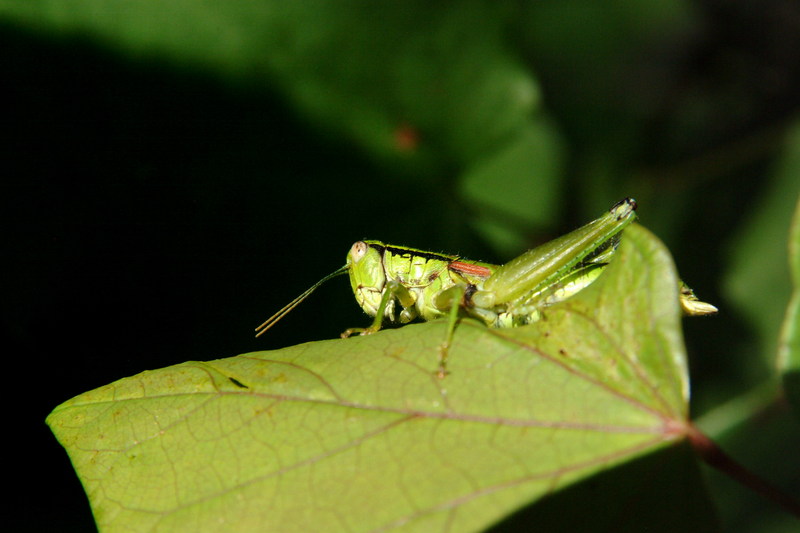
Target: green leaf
{"x": 360, "y": 435}
{"x": 758, "y": 280}
{"x": 789, "y": 348}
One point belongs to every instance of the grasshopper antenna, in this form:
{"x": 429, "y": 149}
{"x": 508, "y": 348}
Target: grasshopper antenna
{"x": 294, "y": 303}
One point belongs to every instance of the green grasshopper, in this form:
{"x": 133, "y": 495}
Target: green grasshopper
{"x": 397, "y": 284}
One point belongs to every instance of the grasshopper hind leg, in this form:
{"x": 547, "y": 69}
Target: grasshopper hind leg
{"x": 453, "y": 300}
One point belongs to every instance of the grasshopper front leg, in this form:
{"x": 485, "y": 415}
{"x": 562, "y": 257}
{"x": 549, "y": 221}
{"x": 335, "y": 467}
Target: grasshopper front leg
{"x": 392, "y": 291}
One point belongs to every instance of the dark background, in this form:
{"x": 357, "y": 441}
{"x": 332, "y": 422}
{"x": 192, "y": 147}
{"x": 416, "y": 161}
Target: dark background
{"x": 157, "y": 210}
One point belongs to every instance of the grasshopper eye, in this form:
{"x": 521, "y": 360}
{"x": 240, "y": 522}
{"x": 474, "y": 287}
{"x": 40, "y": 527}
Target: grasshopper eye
{"x": 358, "y": 251}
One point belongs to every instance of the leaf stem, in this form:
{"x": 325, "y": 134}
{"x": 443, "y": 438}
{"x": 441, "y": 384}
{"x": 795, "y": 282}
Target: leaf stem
{"x": 713, "y": 455}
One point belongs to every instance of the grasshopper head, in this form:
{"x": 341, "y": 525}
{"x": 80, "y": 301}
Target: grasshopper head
{"x": 367, "y": 276}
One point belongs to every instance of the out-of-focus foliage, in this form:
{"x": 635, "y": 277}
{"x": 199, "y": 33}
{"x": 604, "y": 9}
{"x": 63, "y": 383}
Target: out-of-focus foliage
{"x": 789, "y": 349}
{"x": 757, "y": 279}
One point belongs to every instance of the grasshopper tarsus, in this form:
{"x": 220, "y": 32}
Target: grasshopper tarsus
{"x": 361, "y": 331}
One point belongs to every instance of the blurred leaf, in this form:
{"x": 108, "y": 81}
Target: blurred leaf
{"x": 590, "y": 51}
{"x": 789, "y": 348}
{"x": 360, "y": 435}
{"x": 758, "y": 279}
{"x": 434, "y": 90}
{"x": 397, "y": 77}
{"x": 516, "y": 188}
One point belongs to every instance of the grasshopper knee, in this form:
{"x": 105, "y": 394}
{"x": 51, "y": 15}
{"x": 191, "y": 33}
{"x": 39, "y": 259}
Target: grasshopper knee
{"x": 483, "y": 299}
{"x": 449, "y": 297}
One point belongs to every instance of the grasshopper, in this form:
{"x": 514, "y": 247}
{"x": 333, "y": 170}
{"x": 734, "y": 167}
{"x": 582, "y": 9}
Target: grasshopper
{"x": 397, "y": 284}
